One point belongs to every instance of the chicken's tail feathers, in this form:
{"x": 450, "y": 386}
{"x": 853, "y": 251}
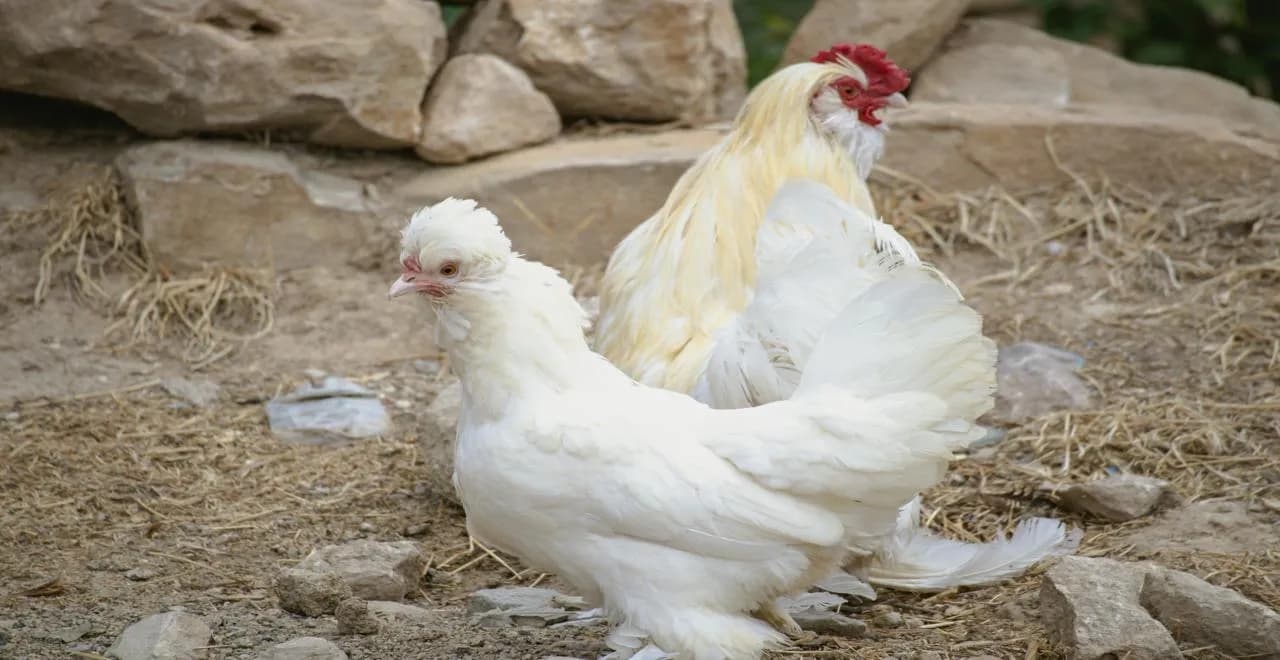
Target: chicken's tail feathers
{"x": 908, "y": 333}
{"x": 915, "y": 559}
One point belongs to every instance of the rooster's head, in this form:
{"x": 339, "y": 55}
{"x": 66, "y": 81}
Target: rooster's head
{"x": 880, "y": 85}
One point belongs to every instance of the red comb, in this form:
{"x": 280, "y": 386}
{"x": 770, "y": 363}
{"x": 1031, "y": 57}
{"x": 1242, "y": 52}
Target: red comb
{"x": 883, "y": 76}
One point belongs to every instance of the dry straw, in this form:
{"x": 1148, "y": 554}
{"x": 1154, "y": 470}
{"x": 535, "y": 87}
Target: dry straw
{"x": 91, "y": 235}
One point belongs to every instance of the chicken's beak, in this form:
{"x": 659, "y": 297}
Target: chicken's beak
{"x": 896, "y": 100}
{"x": 402, "y": 286}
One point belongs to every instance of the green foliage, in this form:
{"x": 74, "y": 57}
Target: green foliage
{"x": 1235, "y": 39}
{"x": 766, "y": 27}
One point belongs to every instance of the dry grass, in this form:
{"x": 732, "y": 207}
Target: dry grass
{"x": 91, "y": 234}
{"x": 1183, "y": 341}
{"x": 213, "y": 312}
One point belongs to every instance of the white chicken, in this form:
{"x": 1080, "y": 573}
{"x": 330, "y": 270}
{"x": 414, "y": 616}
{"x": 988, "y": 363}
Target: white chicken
{"x": 682, "y": 522}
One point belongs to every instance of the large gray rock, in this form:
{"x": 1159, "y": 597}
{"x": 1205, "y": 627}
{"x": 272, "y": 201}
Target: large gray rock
{"x": 375, "y": 570}
{"x": 239, "y": 204}
{"x": 626, "y": 59}
{"x": 1201, "y": 614}
{"x": 481, "y": 105}
{"x": 304, "y": 648}
{"x": 569, "y": 201}
{"x": 972, "y": 146}
{"x": 993, "y": 61}
{"x": 1034, "y": 379}
{"x": 347, "y": 73}
{"x": 908, "y": 30}
{"x": 1091, "y": 607}
{"x": 334, "y": 412}
{"x": 1116, "y": 498}
{"x": 167, "y": 636}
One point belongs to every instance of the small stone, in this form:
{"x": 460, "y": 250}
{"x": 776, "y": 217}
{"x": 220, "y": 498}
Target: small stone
{"x": 335, "y": 412}
{"x": 417, "y": 529}
{"x": 512, "y": 598}
{"x": 140, "y": 574}
{"x": 928, "y": 655}
{"x": 367, "y": 526}
{"x": 393, "y": 613}
{"x": 71, "y": 633}
{"x": 1090, "y": 606}
{"x": 530, "y": 617}
{"x": 310, "y": 593}
{"x": 1117, "y": 498}
{"x": 199, "y": 393}
{"x": 304, "y": 648}
{"x": 354, "y": 618}
{"x": 375, "y": 570}
{"x": 166, "y": 636}
{"x": 830, "y": 623}
{"x": 884, "y": 617}
{"x": 113, "y": 564}
{"x": 1201, "y": 614}
{"x": 1034, "y": 379}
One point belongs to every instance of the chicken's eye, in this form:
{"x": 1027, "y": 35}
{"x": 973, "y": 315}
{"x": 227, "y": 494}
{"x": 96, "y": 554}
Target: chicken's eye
{"x": 848, "y": 91}
{"x": 449, "y": 269}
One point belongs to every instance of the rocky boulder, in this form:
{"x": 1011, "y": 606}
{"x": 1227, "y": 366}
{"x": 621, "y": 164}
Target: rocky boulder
{"x": 623, "y": 59}
{"x": 348, "y": 73}
{"x": 994, "y": 61}
{"x": 1102, "y": 608}
{"x": 568, "y": 201}
{"x": 481, "y": 105}
{"x": 1091, "y": 606}
{"x": 968, "y": 146}
{"x": 239, "y": 204}
{"x": 909, "y": 30}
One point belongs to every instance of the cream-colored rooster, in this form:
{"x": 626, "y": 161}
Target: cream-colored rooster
{"x": 759, "y": 254}
{"x": 686, "y": 272}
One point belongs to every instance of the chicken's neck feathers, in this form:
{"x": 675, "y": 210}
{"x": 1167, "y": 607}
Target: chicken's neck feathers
{"x": 523, "y": 334}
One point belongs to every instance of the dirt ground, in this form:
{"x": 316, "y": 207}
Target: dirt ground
{"x": 1173, "y": 304}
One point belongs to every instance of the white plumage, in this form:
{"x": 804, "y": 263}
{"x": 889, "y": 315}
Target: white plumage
{"x": 841, "y": 299}
{"x": 683, "y": 522}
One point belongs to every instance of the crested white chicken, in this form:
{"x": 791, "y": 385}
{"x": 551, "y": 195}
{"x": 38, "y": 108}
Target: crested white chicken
{"x": 681, "y": 521}
{"x": 761, "y": 251}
